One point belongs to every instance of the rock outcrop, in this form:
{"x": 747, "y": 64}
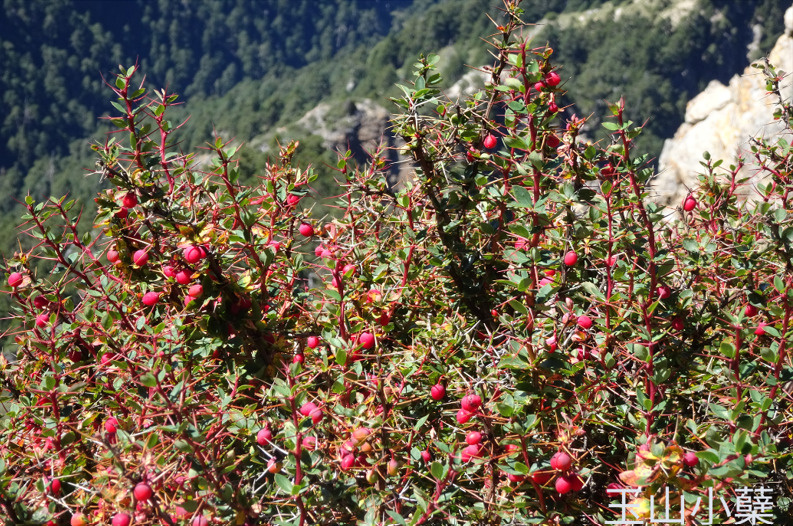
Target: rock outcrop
{"x": 720, "y": 120}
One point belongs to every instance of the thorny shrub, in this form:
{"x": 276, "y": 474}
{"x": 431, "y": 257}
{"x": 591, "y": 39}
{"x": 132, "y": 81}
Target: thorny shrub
{"x": 513, "y": 331}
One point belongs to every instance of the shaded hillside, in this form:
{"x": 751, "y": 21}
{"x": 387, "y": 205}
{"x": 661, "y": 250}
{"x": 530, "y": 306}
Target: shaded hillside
{"x": 53, "y": 54}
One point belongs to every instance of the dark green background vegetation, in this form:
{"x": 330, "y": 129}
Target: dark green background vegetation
{"x": 247, "y": 67}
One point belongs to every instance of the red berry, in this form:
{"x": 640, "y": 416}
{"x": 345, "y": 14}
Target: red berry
{"x": 552, "y": 79}
{"x": 472, "y": 450}
{"x": 553, "y": 108}
{"x": 264, "y": 436}
{"x": 111, "y": 425}
{"x": 142, "y": 492}
{"x": 316, "y": 416}
{"x": 310, "y": 442}
{"x": 113, "y": 256}
{"x": 471, "y": 403}
{"x": 552, "y": 141}
{"x": 78, "y": 519}
{"x": 689, "y": 204}
{"x": 425, "y": 456}
{"x": 578, "y": 482}
{"x": 438, "y": 392}
{"x": 561, "y": 461}
{"x": 473, "y": 437}
{"x": 615, "y": 487}
{"x": 750, "y": 310}
{"x": 360, "y": 435}
{"x": 306, "y": 230}
{"x": 352, "y": 269}
{"x": 318, "y": 251}
{"x": 273, "y": 466}
{"x": 607, "y": 171}
{"x": 55, "y": 486}
{"x": 542, "y": 477}
{"x": 200, "y": 521}
{"x": 490, "y": 142}
{"x": 664, "y": 292}
{"x": 306, "y": 408}
{"x": 298, "y": 358}
{"x": 347, "y": 461}
{"x": 366, "y": 339}
{"x": 122, "y": 213}
{"x": 539, "y": 86}
{"x": 292, "y": 199}
{"x": 760, "y": 329}
{"x": 312, "y": 342}
{"x": 140, "y": 257}
{"x": 677, "y": 323}
{"x": 14, "y": 279}
{"x": 564, "y": 484}
{"x": 129, "y": 200}
{"x": 384, "y": 319}
{"x": 585, "y": 322}
{"x": 690, "y": 459}
{"x": 42, "y": 320}
{"x": 515, "y": 478}
{"x": 169, "y": 271}
{"x": 196, "y": 291}
{"x": 463, "y": 416}
{"x": 193, "y": 254}
{"x": 571, "y": 258}
{"x": 151, "y": 298}
{"x": 469, "y": 155}
{"x": 184, "y": 277}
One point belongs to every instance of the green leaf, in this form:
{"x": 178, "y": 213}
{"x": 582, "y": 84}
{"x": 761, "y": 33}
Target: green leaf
{"x": 727, "y": 349}
{"x": 284, "y": 483}
{"x": 148, "y": 380}
{"x": 592, "y": 289}
{"x": 709, "y": 455}
{"x": 522, "y": 197}
{"x": 183, "y": 446}
{"x": 341, "y": 357}
{"x": 519, "y": 307}
{"x": 691, "y": 245}
{"x": 720, "y": 411}
{"x": 437, "y": 470}
{"x": 397, "y": 517}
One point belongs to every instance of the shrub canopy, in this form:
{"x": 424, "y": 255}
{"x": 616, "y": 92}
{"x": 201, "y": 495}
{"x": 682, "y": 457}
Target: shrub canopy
{"x": 508, "y": 334}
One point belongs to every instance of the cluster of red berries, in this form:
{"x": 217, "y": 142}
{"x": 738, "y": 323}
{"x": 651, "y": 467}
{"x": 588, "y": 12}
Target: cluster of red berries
{"x": 357, "y": 443}
{"x": 551, "y": 80}
{"x": 130, "y": 200}
{"x": 310, "y": 409}
{"x": 469, "y": 405}
{"x": 473, "y": 447}
{"x": 568, "y": 480}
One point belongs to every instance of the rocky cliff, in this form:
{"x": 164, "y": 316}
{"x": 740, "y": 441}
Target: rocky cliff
{"x": 721, "y": 119}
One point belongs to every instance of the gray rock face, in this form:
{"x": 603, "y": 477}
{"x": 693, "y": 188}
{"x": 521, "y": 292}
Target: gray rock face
{"x": 721, "y": 120}
{"x": 363, "y": 124}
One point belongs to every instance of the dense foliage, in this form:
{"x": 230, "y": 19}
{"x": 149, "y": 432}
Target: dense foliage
{"x": 514, "y": 331}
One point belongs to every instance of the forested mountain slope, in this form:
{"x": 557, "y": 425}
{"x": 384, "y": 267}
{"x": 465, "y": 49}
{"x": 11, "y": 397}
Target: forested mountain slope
{"x": 252, "y": 69}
